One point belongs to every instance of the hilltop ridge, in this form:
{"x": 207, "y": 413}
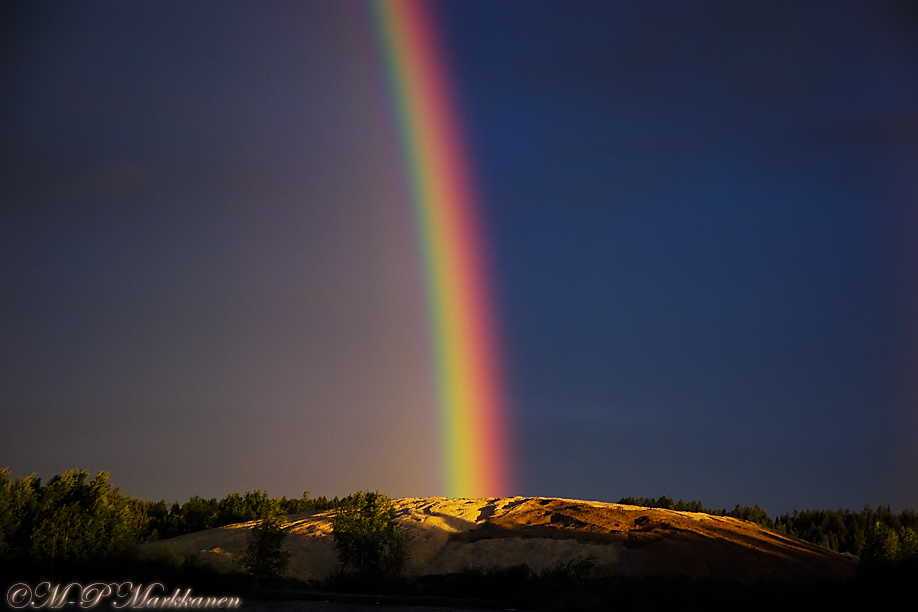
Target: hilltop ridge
{"x": 451, "y": 535}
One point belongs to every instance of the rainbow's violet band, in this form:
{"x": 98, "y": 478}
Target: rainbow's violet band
{"x": 472, "y": 409}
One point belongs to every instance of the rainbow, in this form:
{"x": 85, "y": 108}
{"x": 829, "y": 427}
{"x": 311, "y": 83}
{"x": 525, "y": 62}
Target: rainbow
{"x": 472, "y": 413}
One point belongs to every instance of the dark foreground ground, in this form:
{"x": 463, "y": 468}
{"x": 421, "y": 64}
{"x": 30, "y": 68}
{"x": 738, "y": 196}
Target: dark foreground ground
{"x": 570, "y": 588}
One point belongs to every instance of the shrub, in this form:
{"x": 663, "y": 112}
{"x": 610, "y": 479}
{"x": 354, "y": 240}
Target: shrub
{"x": 367, "y": 536}
{"x": 264, "y": 558}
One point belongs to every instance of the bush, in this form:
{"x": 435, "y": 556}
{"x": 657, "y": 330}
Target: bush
{"x": 264, "y": 558}
{"x": 367, "y": 536}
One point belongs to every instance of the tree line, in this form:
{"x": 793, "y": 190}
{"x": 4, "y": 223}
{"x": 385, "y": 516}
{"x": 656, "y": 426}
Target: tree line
{"x": 752, "y": 514}
{"x": 167, "y": 521}
{"x": 878, "y": 536}
{"x": 74, "y": 517}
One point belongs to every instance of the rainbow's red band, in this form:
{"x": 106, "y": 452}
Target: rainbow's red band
{"x": 472, "y": 408}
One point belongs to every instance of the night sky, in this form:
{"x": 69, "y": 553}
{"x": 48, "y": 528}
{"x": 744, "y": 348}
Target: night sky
{"x": 703, "y": 230}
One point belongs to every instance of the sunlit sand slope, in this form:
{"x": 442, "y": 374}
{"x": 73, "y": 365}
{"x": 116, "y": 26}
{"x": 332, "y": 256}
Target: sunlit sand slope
{"x": 449, "y": 535}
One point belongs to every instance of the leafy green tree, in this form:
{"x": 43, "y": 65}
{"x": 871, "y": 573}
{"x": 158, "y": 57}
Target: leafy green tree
{"x": 882, "y": 546}
{"x": 18, "y": 506}
{"x": 198, "y": 514}
{"x": 367, "y": 537}
{"x": 908, "y": 543}
{"x": 78, "y": 519}
{"x": 235, "y": 508}
{"x": 264, "y": 557}
{"x": 858, "y": 543}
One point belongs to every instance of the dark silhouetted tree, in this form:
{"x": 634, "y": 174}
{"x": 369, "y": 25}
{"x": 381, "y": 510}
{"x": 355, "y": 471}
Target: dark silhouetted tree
{"x": 264, "y": 556}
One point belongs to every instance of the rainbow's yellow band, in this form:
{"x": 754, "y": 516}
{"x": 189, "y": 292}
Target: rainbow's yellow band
{"x": 472, "y": 409}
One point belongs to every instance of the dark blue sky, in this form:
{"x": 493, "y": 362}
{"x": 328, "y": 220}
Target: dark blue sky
{"x": 703, "y": 226}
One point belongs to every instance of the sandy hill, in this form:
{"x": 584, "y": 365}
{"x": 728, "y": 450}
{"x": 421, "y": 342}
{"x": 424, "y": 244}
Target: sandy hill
{"x": 449, "y": 535}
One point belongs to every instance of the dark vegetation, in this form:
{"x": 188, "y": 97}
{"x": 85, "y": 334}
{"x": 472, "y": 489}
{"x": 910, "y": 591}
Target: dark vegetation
{"x": 77, "y": 528}
{"x": 264, "y": 556}
{"x": 162, "y": 520}
{"x": 367, "y": 537}
{"x": 879, "y": 537}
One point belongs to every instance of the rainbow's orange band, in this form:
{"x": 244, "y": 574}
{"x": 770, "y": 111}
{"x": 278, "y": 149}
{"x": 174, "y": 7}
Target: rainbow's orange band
{"x": 472, "y": 407}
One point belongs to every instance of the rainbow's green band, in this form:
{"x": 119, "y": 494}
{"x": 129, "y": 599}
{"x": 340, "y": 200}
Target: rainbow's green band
{"x": 471, "y": 401}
